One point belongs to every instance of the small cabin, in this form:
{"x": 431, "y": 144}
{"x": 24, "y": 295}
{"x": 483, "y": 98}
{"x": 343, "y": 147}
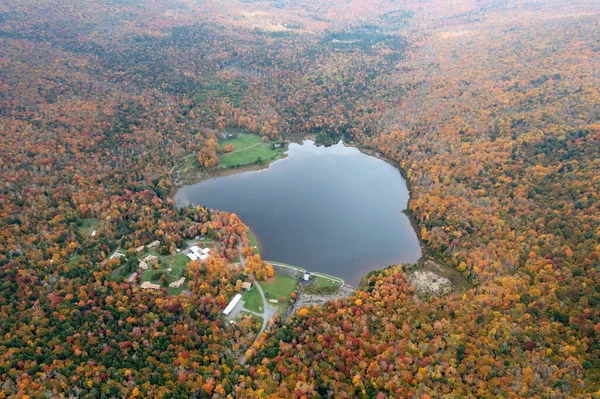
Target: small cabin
{"x": 246, "y": 286}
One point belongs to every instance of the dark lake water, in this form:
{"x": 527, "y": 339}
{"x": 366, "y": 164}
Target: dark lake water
{"x": 329, "y": 209}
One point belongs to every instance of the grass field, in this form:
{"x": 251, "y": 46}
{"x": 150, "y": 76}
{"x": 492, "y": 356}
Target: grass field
{"x": 86, "y": 226}
{"x": 253, "y": 301}
{"x": 247, "y": 149}
{"x": 278, "y": 286}
{"x": 253, "y": 241}
{"x": 73, "y": 261}
{"x": 323, "y": 282}
{"x": 180, "y": 260}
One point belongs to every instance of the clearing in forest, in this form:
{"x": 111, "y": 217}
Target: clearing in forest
{"x": 248, "y": 149}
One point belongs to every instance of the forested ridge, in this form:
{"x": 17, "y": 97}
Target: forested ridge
{"x": 491, "y": 110}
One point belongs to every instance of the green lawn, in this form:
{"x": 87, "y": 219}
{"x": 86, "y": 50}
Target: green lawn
{"x": 323, "y": 282}
{"x": 73, "y": 261}
{"x": 253, "y": 241}
{"x": 177, "y": 291}
{"x": 180, "y": 260}
{"x": 248, "y": 148}
{"x": 87, "y": 226}
{"x": 253, "y": 301}
{"x": 278, "y": 286}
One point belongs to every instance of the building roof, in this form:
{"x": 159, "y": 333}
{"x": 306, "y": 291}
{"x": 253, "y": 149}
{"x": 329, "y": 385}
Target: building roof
{"x": 246, "y": 285}
{"x": 178, "y": 283}
{"x": 139, "y": 249}
{"x": 147, "y": 285}
{"x": 197, "y": 253}
{"x": 154, "y": 244}
{"x": 232, "y": 304}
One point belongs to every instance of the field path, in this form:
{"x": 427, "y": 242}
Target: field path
{"x": 244, "y": 149}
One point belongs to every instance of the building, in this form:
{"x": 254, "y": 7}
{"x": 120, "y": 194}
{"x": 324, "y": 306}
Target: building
{"x": 147, "y": 285}
{"x": 232, "y": 304}
{"x": 93, "y": 233}
{"x": 154, "y": 244}
{"x": 197, "y": 253}
{"x": 246, "y": 285}
{"x": 306, "y": 276}
{"x": 147, "y": 261}
{"x": 139, "y": 249}
{"x": 178, "y": 283}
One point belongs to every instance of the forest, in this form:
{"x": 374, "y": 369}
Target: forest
{"x": 490, "y": 109}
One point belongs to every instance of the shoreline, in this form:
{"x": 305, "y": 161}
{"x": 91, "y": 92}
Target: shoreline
{"x": 428, "y": 260}
{"x": 195, "y": 175}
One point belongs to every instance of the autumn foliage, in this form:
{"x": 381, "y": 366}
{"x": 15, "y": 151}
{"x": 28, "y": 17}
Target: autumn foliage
{"x": 490, "y": 109}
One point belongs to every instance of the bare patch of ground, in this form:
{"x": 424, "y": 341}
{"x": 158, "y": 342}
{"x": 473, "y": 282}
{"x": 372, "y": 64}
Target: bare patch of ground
{"x": 427, "y": 282}
{"x": 434, "y": 279}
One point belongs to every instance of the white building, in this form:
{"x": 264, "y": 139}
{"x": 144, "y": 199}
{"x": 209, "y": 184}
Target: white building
{"x": 232, "y": 304}
{"x": 197, "y": 253}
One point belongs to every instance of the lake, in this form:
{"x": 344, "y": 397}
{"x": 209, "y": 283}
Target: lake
{"x": 329, "y": 209}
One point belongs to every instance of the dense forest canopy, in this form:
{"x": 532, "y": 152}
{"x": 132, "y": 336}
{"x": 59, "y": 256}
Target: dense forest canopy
{"x": 490, "y": 108}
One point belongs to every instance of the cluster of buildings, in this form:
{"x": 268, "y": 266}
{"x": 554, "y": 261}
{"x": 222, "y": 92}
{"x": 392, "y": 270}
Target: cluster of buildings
{"x": 194, "y": 253}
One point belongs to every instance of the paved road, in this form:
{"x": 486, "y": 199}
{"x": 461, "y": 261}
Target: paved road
{"x": 267, "y": 311}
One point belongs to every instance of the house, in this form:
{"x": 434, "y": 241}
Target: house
{"x": 147, "y": 285}
{"x": 197, "y": 253}
{"x": 275, "y": 146}
{"x": 246, "y": 285}
{"x": 154, "y": 244}
{"x": 150, "y": 259}
{"x": 232, "y": 304}
{"x": 273, "y": 300}
{"x": 147, "y": 261}
{"x": 93, "y": 233}
{"x": 306, "y": 276}
{"x": 178, "y": 283}
{"x": 139, "y": 249}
